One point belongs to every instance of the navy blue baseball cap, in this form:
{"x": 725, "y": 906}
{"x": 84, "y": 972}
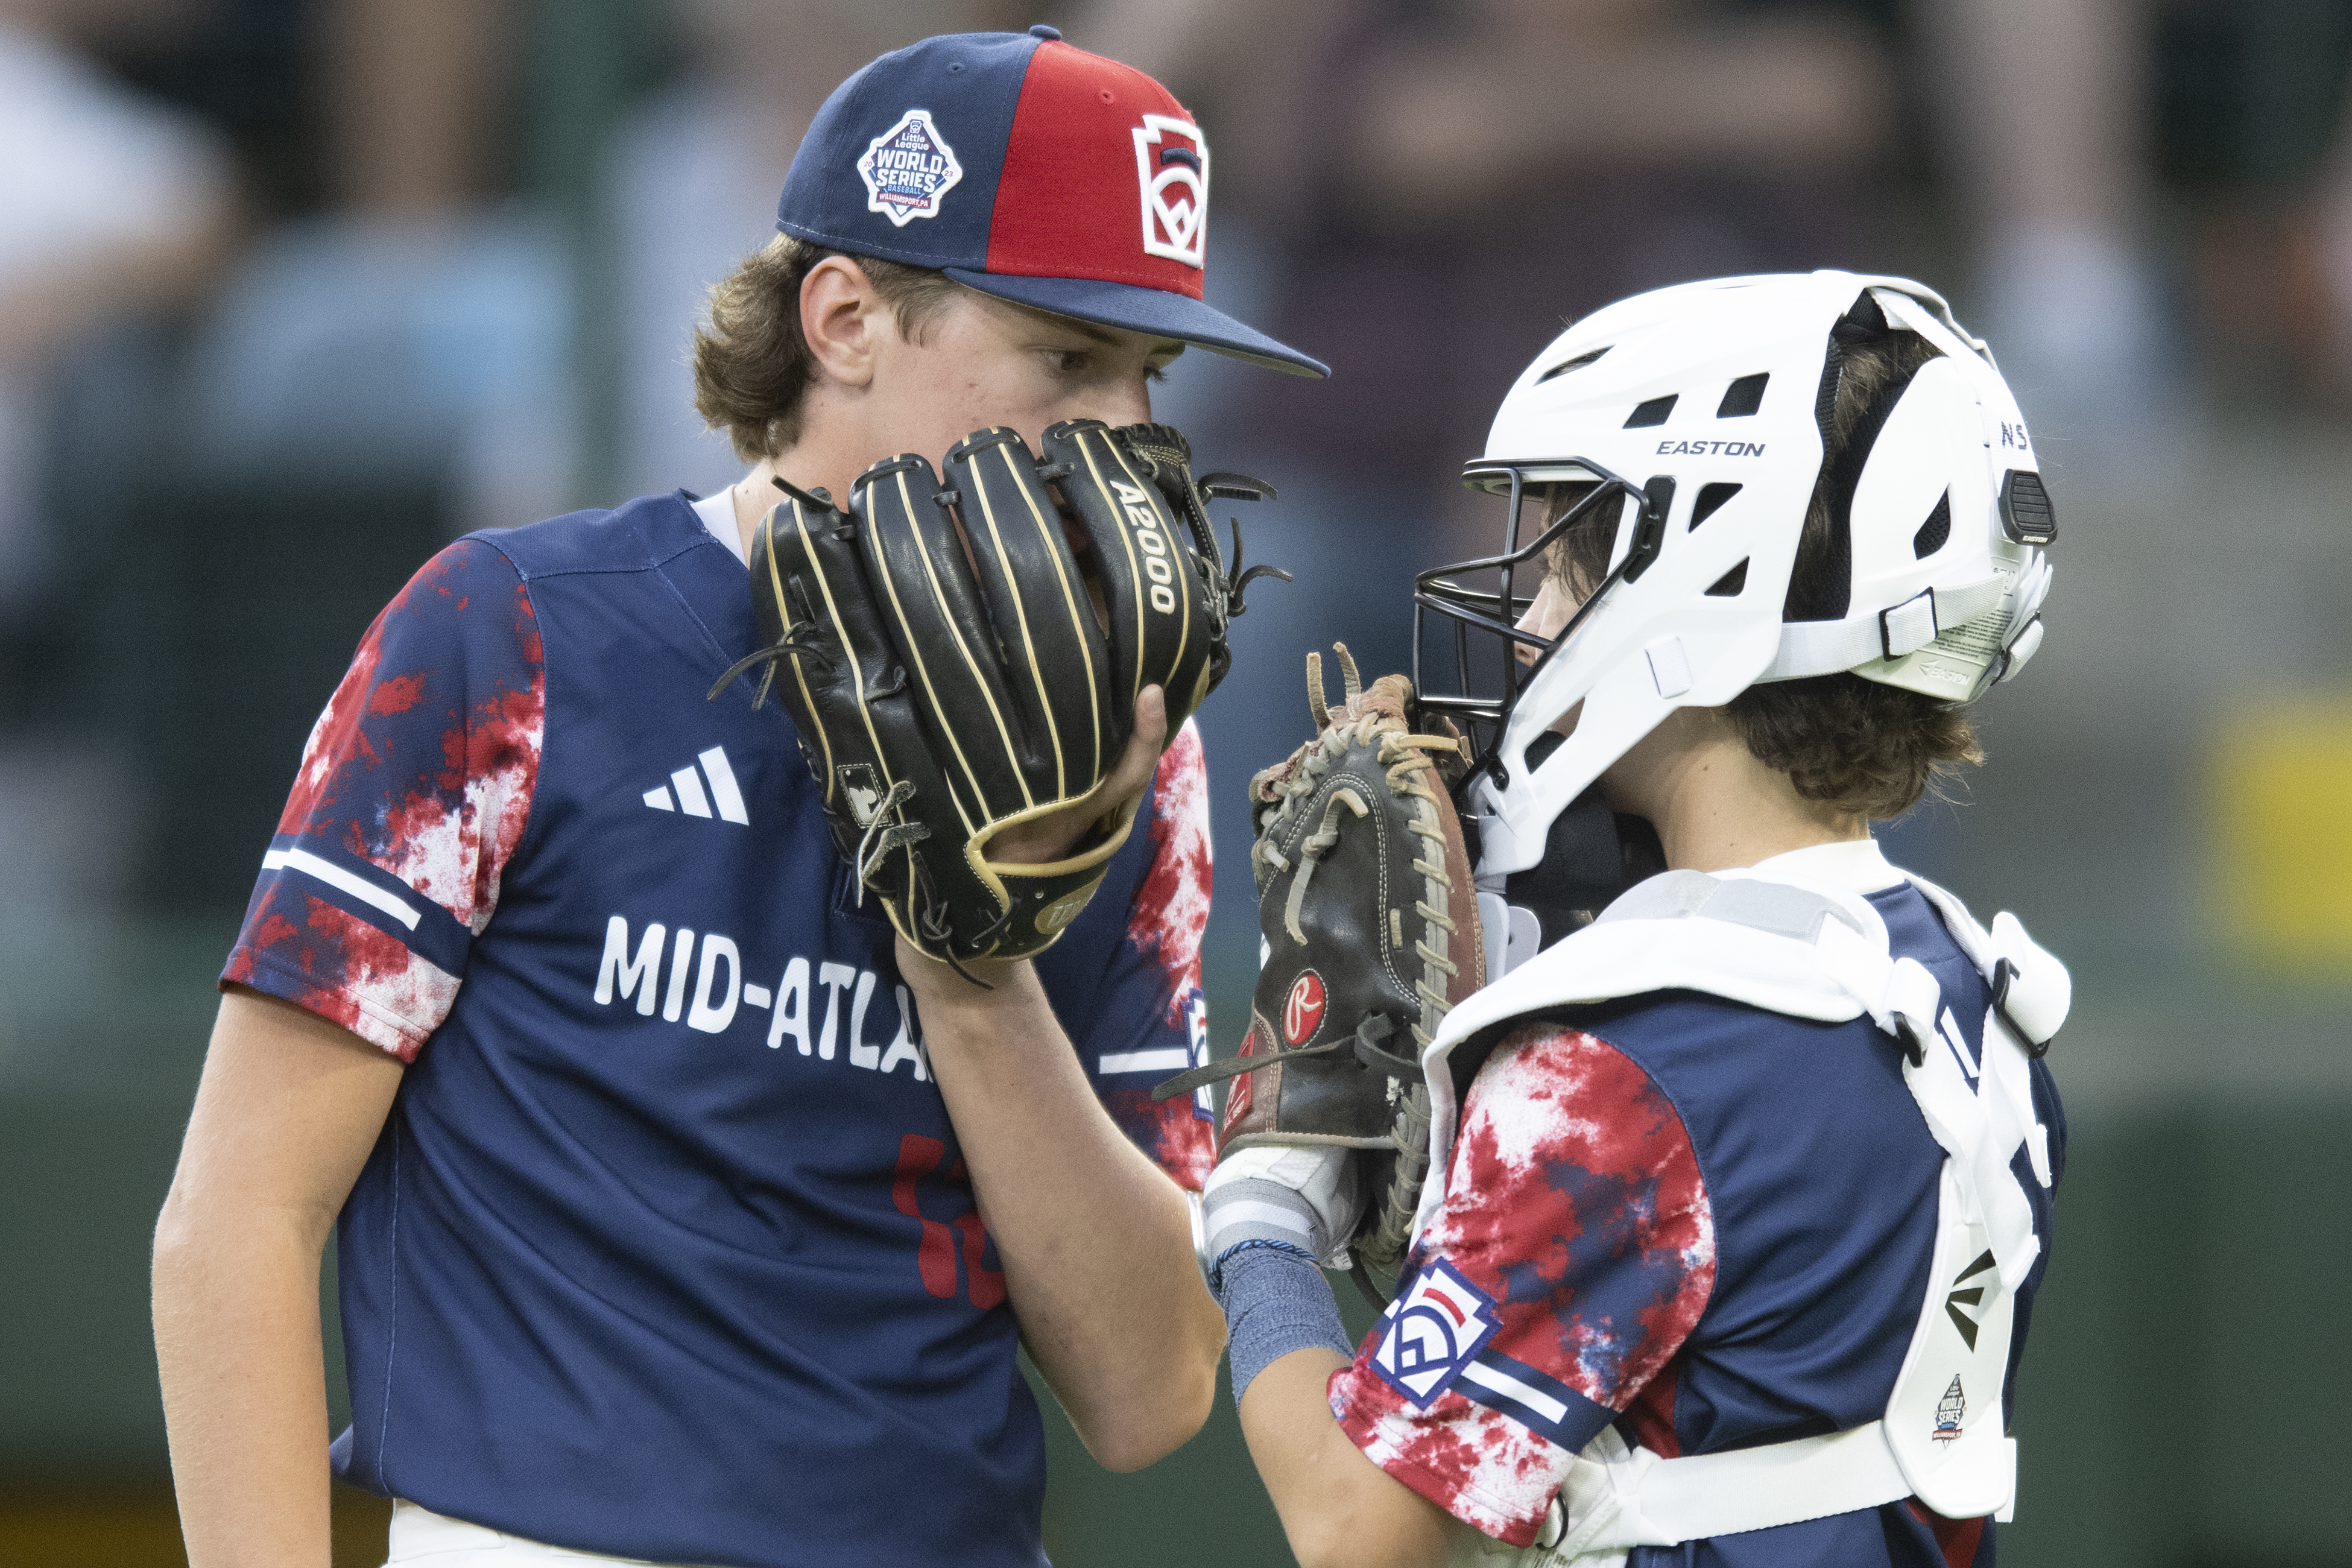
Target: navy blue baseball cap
{"x": 1029, "y": 170}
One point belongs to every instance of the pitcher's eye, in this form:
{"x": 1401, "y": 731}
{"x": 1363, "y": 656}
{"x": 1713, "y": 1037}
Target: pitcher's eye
{"x": 1069, "y": 362}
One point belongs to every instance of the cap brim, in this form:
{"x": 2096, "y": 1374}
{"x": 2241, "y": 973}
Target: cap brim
{"x": 1139, "y": 310}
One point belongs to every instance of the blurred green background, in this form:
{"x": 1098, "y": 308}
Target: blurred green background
{"x": 430, "y": 294}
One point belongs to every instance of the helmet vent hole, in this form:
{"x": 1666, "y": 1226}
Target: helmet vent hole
{"x": 1743, "y": 397}
{"x": 1935, "y": 531}
{"x": 1710, "y": 500}
{"x": 1579, "y": 362}
{"x": 1653, "y": 412}
{"x": 1729, "y": 585}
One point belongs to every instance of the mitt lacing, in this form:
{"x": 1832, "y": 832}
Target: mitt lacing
{"x": 1404, "y": 756}
{"x": 883, "y": 839}
{"x": 790, "y": 643}
{"x": 1238, "y": 582}
{"x": 1383, "y": 1246}
{"x": 1319, "y": 845}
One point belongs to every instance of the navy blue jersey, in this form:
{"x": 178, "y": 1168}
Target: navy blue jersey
{"x": 667, "y": 1250}
{"x": 1707, "y": 1224}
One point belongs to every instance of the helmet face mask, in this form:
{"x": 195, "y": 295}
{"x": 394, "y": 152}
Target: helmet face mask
{"x": 1565, "y": 496}
{"x": 1697, "y": 415}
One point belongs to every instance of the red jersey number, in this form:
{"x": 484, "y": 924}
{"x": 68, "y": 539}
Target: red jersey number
{"x": 935, "y": 1254}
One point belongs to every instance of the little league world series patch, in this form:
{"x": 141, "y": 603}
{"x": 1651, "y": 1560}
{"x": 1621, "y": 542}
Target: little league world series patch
{"x": 908, "y": 169}
{"x": 1432, "y": 1331}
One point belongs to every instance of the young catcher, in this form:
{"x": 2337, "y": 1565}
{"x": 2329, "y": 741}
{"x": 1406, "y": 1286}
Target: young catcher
{"x": 1738, "y": 1195}
{"x": 701, "y": 1116}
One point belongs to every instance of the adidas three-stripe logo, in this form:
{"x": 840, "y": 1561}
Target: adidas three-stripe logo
{"x": 690, "y": 798}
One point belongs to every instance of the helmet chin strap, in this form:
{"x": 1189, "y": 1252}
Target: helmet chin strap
{"x": 1591, "y": 856}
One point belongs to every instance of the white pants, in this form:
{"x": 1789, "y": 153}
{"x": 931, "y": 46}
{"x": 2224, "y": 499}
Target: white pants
{"x": 434, "y": 1541}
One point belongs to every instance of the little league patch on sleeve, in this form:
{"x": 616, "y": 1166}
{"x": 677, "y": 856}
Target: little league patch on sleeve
{"x": 1432, "y": 1331}
{"x": 908, "y": 169}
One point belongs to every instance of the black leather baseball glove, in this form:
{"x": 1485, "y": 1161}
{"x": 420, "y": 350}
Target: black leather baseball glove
{"x": 1370, "y": 916}
{"x": 963, "y": 655}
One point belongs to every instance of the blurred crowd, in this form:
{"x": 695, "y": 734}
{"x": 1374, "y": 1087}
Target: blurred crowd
{"x": 293, "y": 291}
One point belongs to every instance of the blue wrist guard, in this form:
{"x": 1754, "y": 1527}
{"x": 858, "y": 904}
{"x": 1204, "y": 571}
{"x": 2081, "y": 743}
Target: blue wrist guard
{"x": 1275, "y": 1300}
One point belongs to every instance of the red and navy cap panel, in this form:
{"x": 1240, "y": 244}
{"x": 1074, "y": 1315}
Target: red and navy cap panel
{"x": 1006, "y": 154}
{"x": 942, "y": 111}
{"x": 1028, "y": 170}
{"x": 1106, "y": 176}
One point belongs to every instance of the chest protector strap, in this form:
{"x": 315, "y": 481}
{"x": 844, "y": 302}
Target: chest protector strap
{"x": 1817, "y": 951}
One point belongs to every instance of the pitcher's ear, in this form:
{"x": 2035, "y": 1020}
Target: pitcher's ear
{"x": 842, "y": 316}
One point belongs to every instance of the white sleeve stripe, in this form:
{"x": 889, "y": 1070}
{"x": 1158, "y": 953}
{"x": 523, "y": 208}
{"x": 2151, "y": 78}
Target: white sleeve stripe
{"x": 335, "y": 876}
{"x": 723, "y": 789}
{"x": 1160, "y": 1058}
{"x": 1511, "y": 1388}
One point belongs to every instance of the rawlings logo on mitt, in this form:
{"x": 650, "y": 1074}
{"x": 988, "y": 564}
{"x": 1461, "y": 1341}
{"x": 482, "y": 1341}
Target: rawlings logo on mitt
{"x": 1371, "y": 924}
{"x": 961, "y": 658}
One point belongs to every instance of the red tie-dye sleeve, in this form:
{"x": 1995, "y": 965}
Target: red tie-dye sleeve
{"x": 411, "y": 795}
{"x": 1571, "y": 1258}
{"x": 1154, "y": 1023}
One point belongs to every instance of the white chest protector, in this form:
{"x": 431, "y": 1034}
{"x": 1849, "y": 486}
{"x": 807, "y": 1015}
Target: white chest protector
{"x": 1815, "y": 951}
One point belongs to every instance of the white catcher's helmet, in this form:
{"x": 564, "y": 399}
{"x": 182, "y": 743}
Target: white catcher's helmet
{"x": 1699, "y": 410}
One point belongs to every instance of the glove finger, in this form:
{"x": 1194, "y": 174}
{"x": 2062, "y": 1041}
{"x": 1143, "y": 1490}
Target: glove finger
{"x": 1162, "y": 626}
{"x": 1188, "y": 499}
{"x": 1057, "y": 673}
{"x": 857, "y": 728}
{"x": 1172, "y": 456}
{"x": 934, "y": 617}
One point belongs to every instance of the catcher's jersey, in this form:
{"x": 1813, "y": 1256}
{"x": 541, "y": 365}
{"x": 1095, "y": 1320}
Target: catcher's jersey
{"x": 1706, "y": 1223}
{"x": 667, "y": 1250}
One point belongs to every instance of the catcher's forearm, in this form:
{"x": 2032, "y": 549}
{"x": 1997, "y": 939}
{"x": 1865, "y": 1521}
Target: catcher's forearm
{"x": 1338, "y": 1508}
{"x": 1095, "y": 1239}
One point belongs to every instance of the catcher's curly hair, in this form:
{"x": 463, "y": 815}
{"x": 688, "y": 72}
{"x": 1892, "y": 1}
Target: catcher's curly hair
{"x": 1858, "y": 745}
{"x": 752, "y": 364}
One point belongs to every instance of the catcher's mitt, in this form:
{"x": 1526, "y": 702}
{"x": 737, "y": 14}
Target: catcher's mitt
{"x": 955, "y": 666}
{"x": 1370, "y": 925}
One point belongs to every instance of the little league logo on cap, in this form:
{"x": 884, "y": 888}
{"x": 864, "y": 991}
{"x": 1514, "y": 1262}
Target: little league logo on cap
{"x": 1044, "y": 175}
{"x": 1171, "y": 165}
